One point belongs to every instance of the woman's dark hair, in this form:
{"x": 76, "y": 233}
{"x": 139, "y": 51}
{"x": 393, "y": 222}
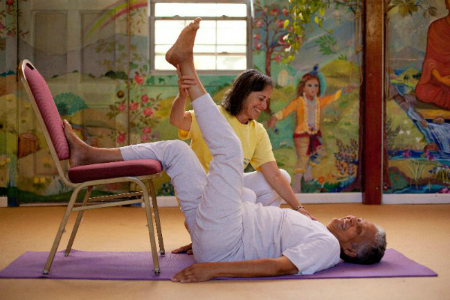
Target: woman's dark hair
{"x": 247, "y": 82}
{"x": 301, "y": 84}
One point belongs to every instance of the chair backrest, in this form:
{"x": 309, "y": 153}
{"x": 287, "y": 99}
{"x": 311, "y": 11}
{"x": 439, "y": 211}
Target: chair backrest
{"x": 46, "y": 113}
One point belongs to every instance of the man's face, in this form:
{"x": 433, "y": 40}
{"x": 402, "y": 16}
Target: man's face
{"x": 352, "y": 230}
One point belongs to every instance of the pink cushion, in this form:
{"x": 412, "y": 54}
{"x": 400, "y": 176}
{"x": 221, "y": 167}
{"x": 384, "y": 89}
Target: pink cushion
{"x": 138, "y": 167}
{"x": 49, "y": 112}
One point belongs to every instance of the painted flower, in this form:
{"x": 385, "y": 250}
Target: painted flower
{"x": 321, "y": 180}
{"x": 121, "y": 138}
{"x": 134, "y": 106}
{"x": 148, "y": 111}
{"x": 144, "y": 137}
{"x": 145, "y": 98}
{"x": 10, "y": 2}
{"x": 259, "y": 23}
{"x": 138, "y": 78}
{"x": 258, "y": 46}
{"x": 280, "y": 23}
{"x": 257, "y": 36}
{"x": 285, "y": 12}
{"x": 277, "y": 58}
{"x": 274, "y": 12}
{"x": 122, "y": 107}
{"x": 147, "y": 129}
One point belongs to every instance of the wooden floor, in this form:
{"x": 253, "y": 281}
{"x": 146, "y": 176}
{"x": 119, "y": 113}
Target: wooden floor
{"x": 421, "y": 232}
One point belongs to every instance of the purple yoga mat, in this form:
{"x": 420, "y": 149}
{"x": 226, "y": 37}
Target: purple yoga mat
{"x": 139, "y": 266}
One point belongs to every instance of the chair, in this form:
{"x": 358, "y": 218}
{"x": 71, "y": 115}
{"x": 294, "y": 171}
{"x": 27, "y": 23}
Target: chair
{"x": 89, "y": 176}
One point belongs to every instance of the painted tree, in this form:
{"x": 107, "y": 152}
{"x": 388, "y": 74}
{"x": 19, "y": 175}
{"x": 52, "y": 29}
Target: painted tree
{"x": 302, "y": 13}
{"x": 269, "y": 31}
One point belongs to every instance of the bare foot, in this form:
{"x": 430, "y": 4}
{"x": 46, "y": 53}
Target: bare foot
{"x": 183, "y": 49}
{"x": 78, "y": 148}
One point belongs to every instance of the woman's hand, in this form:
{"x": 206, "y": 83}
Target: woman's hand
{"x": 184, "y": 83}
{"x": 272, "y": 121}
{"x": 303, "y": 211}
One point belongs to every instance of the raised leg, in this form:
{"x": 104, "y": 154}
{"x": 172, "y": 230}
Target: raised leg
{"x": 219, "y": 212}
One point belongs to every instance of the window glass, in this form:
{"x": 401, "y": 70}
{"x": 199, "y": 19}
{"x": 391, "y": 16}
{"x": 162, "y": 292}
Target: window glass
{"x": 221, "y": 44}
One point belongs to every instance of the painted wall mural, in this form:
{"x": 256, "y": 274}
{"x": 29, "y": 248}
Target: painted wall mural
{"x": 418, "y": 97}
{"x": 96, "y": 62}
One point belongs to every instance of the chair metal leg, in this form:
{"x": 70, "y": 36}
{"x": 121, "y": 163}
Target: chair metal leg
{"x": 77, "y": 222}
{"x": 162, "y": 251}
{"x": 151, "y": 231}
{"x": 60, "y": 232}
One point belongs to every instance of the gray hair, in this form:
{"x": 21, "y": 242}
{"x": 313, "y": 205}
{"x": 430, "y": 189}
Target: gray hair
{"x": 369, "y": 252}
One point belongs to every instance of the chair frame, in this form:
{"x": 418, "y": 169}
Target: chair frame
{"x": 96, "y": 202}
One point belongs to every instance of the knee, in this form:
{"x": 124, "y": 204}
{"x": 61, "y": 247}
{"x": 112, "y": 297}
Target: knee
{"x": 286, "y": 175}
{"x": 180, "y": 146}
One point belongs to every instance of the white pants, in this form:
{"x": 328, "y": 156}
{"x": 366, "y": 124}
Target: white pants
{"x": 212, "y": 203}
{"x": 258, "y": 190}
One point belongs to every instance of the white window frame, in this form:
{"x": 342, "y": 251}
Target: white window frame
{"x": 153, "y": 19}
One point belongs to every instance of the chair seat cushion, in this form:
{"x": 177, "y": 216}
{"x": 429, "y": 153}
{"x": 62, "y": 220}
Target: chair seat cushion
{"x": 133, "y": 168}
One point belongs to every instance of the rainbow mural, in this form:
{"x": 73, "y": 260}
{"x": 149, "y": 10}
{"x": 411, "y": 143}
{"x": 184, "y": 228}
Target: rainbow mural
{"x": 111, "y": 13}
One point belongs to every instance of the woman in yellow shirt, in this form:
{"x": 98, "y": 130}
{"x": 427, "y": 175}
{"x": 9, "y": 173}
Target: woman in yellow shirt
{"x": 242, "y": 104}
{"x": 308, "y": 106}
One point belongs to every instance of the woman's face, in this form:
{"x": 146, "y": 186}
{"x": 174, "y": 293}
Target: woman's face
{"x": 254, "y": 104}
{"x": 311, "y": 88}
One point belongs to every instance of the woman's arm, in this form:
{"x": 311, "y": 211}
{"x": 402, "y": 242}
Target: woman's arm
{"x": 250, "y": 268}
{"x": 178, "y": 116}
{"x": 281, "y": 185}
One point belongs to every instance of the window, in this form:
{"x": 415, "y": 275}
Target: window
{"x": 223, "y": 44}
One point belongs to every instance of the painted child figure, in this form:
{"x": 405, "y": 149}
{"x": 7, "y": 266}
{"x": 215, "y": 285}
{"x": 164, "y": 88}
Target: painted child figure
{"x": 307, "y": 135}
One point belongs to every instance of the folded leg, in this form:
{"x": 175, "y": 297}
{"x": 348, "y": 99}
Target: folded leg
{"x": 265, "y": 194}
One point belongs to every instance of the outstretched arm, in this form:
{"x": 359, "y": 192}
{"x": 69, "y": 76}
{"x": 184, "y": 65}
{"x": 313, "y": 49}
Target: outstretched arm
{"x": 250, "y": 268}
{"x": 281, "y": 185}
{"x": 178, "y": 116}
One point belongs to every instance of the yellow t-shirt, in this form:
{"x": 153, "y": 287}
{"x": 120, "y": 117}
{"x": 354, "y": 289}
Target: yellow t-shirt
{"x": 255, "y": 141}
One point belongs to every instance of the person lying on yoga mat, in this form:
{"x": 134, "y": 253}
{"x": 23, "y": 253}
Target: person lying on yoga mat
{"x": 241, "y": 106}
{"x": 232, "y": 237}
